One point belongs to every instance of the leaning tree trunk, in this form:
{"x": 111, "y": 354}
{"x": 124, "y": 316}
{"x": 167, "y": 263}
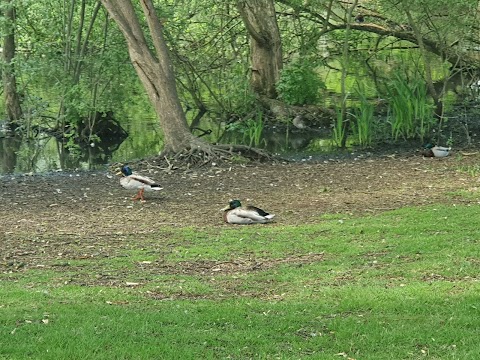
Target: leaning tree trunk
{"x": 265, "y": 43}
{"x": 154, "y": 69}
{"x": 12, "y": 99}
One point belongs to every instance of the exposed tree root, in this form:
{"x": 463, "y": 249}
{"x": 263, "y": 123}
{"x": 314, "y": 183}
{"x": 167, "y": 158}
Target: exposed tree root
{"x": 205, "y": 154}
{"x": 201, "y": 155}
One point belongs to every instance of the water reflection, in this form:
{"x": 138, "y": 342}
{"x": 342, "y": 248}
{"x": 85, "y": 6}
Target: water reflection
{"x": 288, "y": 140}
{"x": 285, "y": 140}
{"x": 46, "y": 153}
{"x": 10, "y": 146}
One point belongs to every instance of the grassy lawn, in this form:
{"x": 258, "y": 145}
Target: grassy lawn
{"x": 400, "y": 285}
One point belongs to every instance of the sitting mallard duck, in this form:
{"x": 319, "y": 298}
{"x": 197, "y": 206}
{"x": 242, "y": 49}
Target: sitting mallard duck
{"x": 430, "y": 150}
{"x": 141, "y": 183}
{"x": 234, "y": 213}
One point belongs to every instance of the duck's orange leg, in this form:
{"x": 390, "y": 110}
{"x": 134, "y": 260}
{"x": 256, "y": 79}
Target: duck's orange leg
{"x": 139, "y": 195}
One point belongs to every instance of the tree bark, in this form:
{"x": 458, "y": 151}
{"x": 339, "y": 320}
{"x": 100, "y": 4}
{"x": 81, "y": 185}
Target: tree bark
{"x": 12, "y": 98}
{"x": 345, "y": 65}
{"x": 155, "y": 70}
{"x": 260, "y": 20}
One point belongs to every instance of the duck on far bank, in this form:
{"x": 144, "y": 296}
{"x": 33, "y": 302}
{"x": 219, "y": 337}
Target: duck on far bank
{"x": 430, "y": 150}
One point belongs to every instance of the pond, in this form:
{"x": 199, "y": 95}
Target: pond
{"x": 47, "y": 153}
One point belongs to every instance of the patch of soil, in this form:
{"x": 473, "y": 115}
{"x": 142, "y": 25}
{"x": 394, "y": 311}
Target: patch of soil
{"x": 60, "y": 217}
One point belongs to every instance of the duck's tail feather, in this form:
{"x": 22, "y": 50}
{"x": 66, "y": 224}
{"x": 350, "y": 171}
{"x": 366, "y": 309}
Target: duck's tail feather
{"x": 257, "y": 210}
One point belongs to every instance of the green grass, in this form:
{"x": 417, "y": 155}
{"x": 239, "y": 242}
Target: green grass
{"x": 472, "y": 170}
{"x": 400, "y": 285}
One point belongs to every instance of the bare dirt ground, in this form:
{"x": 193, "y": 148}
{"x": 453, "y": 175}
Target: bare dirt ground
{"x": 58, "y": 209}
{"x": 96, "y": 204}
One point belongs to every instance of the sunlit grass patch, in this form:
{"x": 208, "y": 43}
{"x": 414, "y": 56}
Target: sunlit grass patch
{"x": 399, "y": 285}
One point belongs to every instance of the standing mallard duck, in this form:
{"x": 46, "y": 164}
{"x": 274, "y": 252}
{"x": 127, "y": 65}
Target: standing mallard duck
{"x": 435, "y": 151}
{"x": 234, "y": 213}
{"x": 141, "y": 183}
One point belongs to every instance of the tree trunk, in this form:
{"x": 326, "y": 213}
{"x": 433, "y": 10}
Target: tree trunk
{"x": 155, "y": 70}
{"x": 9, "y": 147}
{"x": 12, "y": 99}
{"x": 265, "y": 44}
{"x": 345, "y": 65}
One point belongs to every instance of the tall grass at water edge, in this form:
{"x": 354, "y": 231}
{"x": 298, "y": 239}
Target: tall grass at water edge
{"x": 363, "y": 128}
{"x": 253, "y": 134}
{"x": 411, "y": 109}
{"x": 339, "y": 132}
{"x": 249, "y": 131}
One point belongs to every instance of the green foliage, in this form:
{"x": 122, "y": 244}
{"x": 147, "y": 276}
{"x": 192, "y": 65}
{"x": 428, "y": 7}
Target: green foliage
{"x": 472, "y": 170}
{"x": 67, "y": 66}
{"x": 210, "y": 55}
{"x": 250, "y": 130}
{"x": 210, "y": 50}
{"x": 363, "y": 128}
{"x": 299, "y": 83}
{"x": 410, "y": 107}
{"x": 235, "y": 93}
{"x": 339, "y": 128}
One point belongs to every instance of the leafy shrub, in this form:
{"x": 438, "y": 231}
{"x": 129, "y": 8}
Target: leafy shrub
{"x": 299, "y": 83}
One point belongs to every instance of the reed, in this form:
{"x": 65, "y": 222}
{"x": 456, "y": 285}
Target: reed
{"x": 410, "y": 107}
{"x": 253, "y": 130}
{"x": 363, "y": 128}
{"x": 339, "y": 128}
{"x": 248, "y": 132}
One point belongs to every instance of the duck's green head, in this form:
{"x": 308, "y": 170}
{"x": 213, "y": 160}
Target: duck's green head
{"x": 235, "y": 204}
{"x": 126, "y": 170}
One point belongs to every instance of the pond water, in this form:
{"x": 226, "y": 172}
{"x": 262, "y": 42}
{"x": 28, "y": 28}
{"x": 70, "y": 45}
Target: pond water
{"x": 45, "y": 153}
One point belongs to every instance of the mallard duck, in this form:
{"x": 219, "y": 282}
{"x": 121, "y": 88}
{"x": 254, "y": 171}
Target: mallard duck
{"x": 235, "y": 213}
{"x": 430, "y": 150}
{"x": 141, "y": 183}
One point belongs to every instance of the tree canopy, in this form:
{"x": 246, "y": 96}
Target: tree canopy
{"x": 233, "y": 60}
